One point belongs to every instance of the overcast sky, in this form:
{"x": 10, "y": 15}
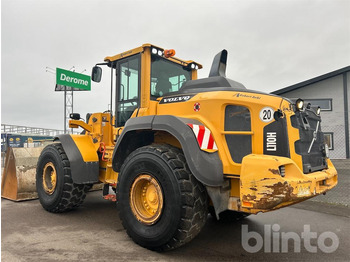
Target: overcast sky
{"x": 271, "y": 44}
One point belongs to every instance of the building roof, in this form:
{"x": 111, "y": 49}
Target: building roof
{"x": 311, "y": 81}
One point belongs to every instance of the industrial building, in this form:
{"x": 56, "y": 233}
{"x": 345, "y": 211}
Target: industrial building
{"x": 331, "y": 92}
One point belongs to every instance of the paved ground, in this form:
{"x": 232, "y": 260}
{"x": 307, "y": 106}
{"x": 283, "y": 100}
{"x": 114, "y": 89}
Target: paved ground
{"x": 94, "y": 233}
{"x": 340, "y": 194}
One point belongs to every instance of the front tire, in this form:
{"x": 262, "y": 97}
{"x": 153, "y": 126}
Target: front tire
{"x": 161, "y": 204}
{"x": 56, "y": 190}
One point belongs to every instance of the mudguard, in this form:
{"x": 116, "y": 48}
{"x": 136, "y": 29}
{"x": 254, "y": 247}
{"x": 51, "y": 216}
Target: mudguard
{"x": 206, "y": 167}
{"x": 83, "y": 158}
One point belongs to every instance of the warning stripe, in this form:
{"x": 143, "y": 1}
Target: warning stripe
{"x": 204, "y": 137}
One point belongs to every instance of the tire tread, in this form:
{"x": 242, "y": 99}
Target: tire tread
{"x": 194, "y": 200}
{"x": 73, "y": 195}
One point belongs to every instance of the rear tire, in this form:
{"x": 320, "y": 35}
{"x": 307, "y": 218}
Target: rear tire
{"x": 56, "y": 190}
{"x": 175, "y": 204}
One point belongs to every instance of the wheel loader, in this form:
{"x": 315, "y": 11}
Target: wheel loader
{"x": 173, "y": 148}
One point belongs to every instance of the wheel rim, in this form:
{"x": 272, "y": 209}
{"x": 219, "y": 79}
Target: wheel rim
{"x": 49, "y": 178}
{"x": 146, "y": 199}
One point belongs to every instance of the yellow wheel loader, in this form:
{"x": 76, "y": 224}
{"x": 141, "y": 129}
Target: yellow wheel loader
{"x": 176, "y": 147}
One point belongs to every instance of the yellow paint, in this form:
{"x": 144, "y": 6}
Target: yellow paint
{"x": 263, "y": 188}
{"x": 80, "y": 123}
{"x": 212, "y": 115}
{"x": 49, "y": 178}
{"x": 107, "y": 175}
{"x": 146, "y": 199}
{"x": 86, "y": 147}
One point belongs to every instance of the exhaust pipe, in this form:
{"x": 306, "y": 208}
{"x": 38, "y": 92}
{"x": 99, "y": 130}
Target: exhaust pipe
{"x": 218, "y": 67}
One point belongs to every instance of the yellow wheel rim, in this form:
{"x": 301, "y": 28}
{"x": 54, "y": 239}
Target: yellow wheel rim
{"x": 49, "y": 178}
{"x": 146, "y": 199}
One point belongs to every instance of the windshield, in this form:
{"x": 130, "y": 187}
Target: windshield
{"x": 167, "y": 77}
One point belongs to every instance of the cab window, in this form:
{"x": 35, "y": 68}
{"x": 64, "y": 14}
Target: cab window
{"x": 166, "y": 77}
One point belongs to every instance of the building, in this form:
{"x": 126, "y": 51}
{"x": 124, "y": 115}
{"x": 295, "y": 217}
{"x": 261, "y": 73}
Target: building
{"x": 331, "y": 92}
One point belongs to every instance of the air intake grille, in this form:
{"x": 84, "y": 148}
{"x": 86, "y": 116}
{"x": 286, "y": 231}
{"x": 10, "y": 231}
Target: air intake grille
{"x": 237, "y": 118}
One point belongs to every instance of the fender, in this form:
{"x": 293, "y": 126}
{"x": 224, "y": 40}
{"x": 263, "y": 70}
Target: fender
{"x": 83, "y": 158}
{"x": 206, "y": 167}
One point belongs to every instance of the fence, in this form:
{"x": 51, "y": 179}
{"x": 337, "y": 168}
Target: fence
{"x": 13, "y": 129}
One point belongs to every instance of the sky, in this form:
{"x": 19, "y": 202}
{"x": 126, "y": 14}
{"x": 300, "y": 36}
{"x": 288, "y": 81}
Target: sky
{"x": 271, "y": 44}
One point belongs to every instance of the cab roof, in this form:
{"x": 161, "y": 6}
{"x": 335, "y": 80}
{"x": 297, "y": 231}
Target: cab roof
{"x": 140, "y": 49}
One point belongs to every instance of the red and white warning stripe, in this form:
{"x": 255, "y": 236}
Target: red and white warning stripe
{"x": 204, "y": 137}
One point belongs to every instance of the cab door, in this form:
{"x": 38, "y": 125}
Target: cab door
{"x": 128, "y": 88}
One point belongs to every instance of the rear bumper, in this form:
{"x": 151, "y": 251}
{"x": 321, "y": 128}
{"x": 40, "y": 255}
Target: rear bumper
{"x": 265, "y": 186}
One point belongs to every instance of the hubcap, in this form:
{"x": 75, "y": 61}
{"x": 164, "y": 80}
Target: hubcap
{"x": 146, "y": 199}
{"x": 49, "y": 178}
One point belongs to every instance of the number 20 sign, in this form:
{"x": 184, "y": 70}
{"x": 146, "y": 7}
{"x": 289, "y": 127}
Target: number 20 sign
{"x": 266, "y": 114}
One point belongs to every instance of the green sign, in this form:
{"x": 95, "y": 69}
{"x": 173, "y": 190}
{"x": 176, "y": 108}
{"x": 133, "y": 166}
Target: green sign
{"x": 72, "y": 79}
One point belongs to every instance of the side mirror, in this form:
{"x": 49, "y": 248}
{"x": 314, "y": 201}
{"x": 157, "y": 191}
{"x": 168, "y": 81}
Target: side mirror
{"x": 74, "y": 116}
{"x": 96, "y": 74}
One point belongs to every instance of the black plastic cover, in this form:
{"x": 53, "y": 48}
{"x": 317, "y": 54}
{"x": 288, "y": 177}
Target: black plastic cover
{"x": 306, "y": 122}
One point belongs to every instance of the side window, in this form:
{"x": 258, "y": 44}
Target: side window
{"x": 324, "y": 104}
{"x": 238, "y": 120}
{"x": 328, "y": 137}
{"x": 128, "y": 88}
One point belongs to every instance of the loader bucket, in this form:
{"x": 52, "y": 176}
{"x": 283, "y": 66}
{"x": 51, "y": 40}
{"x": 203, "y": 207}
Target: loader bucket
{"x": 18, "y": 178}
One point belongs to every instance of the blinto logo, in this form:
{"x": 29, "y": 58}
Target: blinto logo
{"x": 277, "y": 242}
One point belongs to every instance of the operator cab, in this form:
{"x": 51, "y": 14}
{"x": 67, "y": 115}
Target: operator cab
{"x": 131, "y": 89}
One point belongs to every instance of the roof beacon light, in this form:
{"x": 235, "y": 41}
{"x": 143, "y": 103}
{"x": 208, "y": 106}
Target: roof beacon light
{"x": 169, "y": 53}
{"x": 299, "y": 104}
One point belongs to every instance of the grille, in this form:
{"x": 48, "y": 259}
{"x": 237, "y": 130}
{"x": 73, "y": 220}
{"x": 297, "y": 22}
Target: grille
{"x": 237, "y": 118}
{"x": 311, "y": 144}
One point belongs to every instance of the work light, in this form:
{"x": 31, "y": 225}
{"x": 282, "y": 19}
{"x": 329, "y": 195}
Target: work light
{"x": 192, "y": 66}
{"x": 318, "y": 111}
{"x": 156, "y": 51}
{"x": 299, "y": 104}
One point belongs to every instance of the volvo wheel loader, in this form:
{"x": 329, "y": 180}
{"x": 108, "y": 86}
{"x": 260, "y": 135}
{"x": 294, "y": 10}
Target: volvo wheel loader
{"x": 176, "y": 147}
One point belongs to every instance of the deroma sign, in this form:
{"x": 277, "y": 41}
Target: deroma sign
{"x": 72, "y": 79}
